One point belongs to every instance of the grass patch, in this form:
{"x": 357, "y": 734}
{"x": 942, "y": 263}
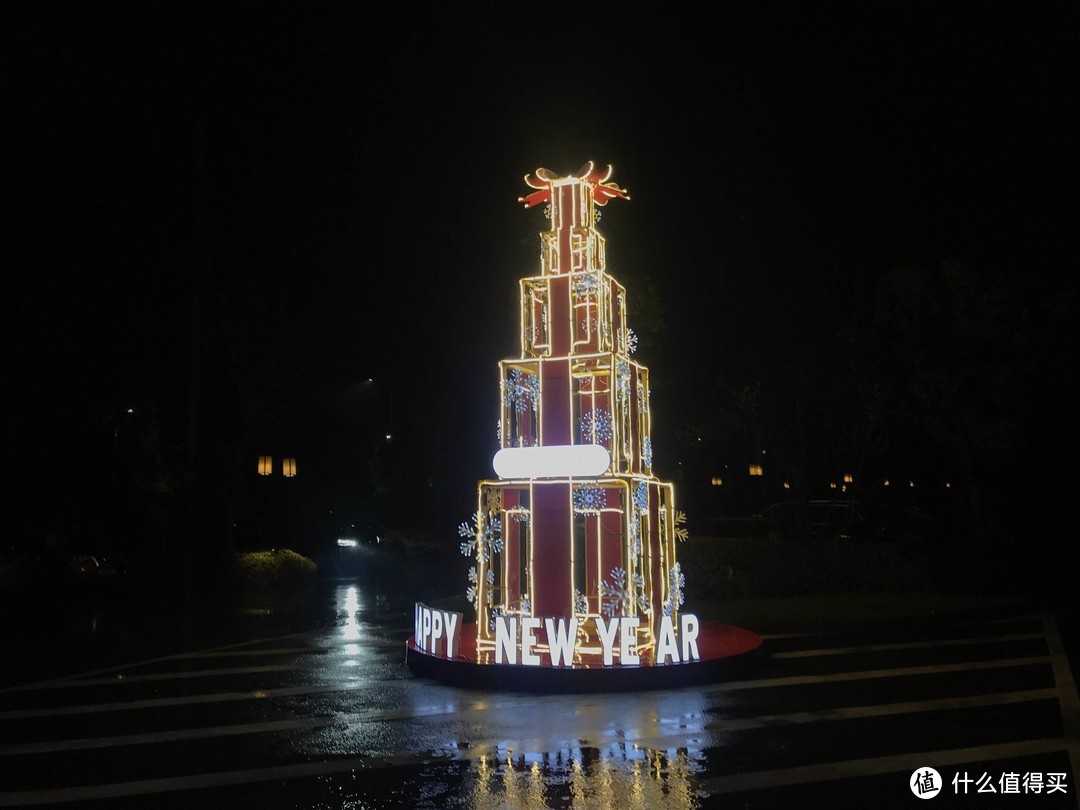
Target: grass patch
{"x": 727, "y": 568}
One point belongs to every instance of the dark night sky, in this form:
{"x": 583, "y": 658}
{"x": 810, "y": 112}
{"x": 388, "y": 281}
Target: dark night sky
{"x": 347, "y": 179}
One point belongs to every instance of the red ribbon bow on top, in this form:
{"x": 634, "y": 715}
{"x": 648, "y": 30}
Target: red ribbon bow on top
{"x": 596, "y": 178}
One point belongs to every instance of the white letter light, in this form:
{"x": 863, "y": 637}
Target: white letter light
{"x": 628, "y": 626}
{"x": 690, "y": 629}
{"x": 666, "y": 646}
{"x": 529, "y": 626}
{"x": 556, "y": 461}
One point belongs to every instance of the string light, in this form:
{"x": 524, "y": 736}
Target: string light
{"x": 575, "y": 384}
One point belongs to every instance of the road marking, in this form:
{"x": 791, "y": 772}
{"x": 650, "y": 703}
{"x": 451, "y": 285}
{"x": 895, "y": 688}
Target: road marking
{"x": 179, "y": 735}
{"x": 898, "y": 672}
{"x": 323, "y": 632}
{"x": 880, "y": 710}
{"x": 217, "y": 697}
{"x": 64, "y": 678}
{"x": 796, "y": 680}
{"x": 1069, "y": 701}
{"x": 260, "y": 651}
{"x": 899, "y": 763}
{"x": 907, "y": 645}
{"x": 171, "y": 784}
{"x": 121, "y": 678}
{"x": 382, "y": 715}
{"x": 837, "y": 632}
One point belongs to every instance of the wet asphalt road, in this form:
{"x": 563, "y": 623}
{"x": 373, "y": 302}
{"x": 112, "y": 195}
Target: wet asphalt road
{"x": 329, "y": 717}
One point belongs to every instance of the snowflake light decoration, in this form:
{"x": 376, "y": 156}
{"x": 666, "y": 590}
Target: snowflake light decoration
{"x": 631, "y": 341}
{"x": 680, "y": 529}
{"x": 646, "y": 451}
{"x": 622, "y": 379}
{"x": 676, "y": 586}
{"x": 493, "y": 535}
{"x": 641, "y": 496}
{"x": 614, "y": 588}
{"x": 623, "y": 591}
{"x": 489, "y": 529}
{"x": 589, "y": 498}
{"x": 581, "y": 603}
{"x": 596, "y": 426}
{"x": 521, "y": 390}
{"x": 586, "y": 284}
{"x": 470, "y": 545}
{"x": 633, "y": 538}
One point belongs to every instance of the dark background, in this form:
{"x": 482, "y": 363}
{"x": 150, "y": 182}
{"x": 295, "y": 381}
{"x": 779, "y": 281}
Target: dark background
{"x": 852, "y": 239}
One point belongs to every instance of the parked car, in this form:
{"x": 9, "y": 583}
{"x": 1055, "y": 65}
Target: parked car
{"x": 410, "y": 542}
{"x": 818, "y": 519}
{"x": 851, "y": 520}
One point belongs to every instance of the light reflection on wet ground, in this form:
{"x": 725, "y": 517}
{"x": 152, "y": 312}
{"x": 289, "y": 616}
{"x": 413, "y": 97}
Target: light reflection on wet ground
{"x": 318, "y": 710}
{"x": 491, "y": 750}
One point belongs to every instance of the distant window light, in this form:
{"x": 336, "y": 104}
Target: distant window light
{"x": 832, "y": 485}
{"x": 288, "y": 467}
{"x": 266, "y": 465}
{"x": 885, "y": 483}
{"x": 755, "y": 469}
{"x": 787, "y": 485}
{"x": 717, "y": 482}
{"x": 911, "y": 483}
{"x": 948, "y": 485}
{"x": 848, "y": 478}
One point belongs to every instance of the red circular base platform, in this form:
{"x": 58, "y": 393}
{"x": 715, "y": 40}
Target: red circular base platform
{"x": 724, "y": 650}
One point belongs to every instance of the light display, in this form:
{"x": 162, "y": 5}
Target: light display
{"x": 574, "y": 545}
{"x": 578, "y": 543}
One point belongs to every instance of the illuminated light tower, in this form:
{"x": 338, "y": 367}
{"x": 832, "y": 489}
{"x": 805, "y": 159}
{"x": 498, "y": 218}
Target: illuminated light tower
{"x": 574, "y": 545}
{"x": 593, "y": 532}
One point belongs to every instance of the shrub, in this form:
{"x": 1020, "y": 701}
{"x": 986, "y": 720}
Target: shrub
{"x": 732, "y": 567}
{"x": 276, "y": 568}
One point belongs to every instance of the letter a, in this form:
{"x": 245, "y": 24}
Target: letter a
{"x": 666, "y": 645}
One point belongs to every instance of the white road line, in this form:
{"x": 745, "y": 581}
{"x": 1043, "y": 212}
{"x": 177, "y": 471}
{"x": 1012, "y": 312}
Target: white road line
{"x": 841, "y": 631}
{"x": 258, "y": 652}
{"x": 120, "y": 679}
{"x": 170, "y": 784}
{"x": 178, "y": 735}
{"x": 901, "y": 764}
{"x": 54, "y": 682}
{"x": 907, "y": 645}
{"x": 64, "y": 678}
{"x": 1069, "y": 700}
{"x": 689, "y": 731}
{"x": 216, "y": 697}
{"x": 881, "y": 710}
{"x": 731, "y": 686}
{"x": 899, "y": 672}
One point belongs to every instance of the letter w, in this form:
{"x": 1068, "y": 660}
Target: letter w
{"x": 561, "y": 642}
